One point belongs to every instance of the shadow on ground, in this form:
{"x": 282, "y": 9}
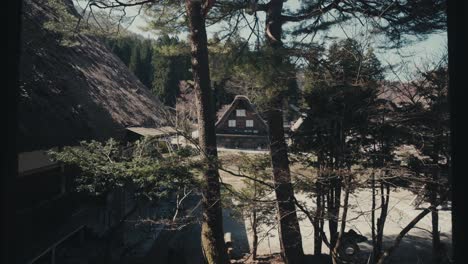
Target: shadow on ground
{"x": 184, "y": 246}
{"x": 416, "y": 248}
{"x": 238, "y": 232}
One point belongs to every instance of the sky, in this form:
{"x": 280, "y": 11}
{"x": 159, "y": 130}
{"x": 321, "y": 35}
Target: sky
{"x": 407, "y": 58}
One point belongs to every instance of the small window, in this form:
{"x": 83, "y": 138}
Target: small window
{"x": 232, "y": 123}
{"x": 249, "y": 123}
{"x": 240, "y": 112}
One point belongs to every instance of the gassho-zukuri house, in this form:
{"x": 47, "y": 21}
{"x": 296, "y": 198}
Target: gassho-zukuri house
{"x": 240, "y": 126}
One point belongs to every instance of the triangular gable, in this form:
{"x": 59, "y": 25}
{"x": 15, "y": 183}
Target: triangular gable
{"x": 233, "y": 106}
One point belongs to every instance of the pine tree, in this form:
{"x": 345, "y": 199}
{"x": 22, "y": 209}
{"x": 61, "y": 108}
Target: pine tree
{"x": 171, "y": 64}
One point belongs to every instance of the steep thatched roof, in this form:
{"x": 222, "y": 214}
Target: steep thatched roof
{"x": 72, "y": 93}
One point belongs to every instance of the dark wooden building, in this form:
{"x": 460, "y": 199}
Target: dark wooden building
{"x": 57, "y": 224}
{"x": 240, "y": 126}
{"x": 49, "y": 215}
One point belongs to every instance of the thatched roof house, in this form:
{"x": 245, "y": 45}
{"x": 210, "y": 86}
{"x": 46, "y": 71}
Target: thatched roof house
{"x": 67, "y": 94}
{"x": 78, "y": 92}
{"x": 239, "y": 125}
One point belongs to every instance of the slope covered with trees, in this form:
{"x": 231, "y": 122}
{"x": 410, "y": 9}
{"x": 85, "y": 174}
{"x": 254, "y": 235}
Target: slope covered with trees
{"x": 159, "y": 64}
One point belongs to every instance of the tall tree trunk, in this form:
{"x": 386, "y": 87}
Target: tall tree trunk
{"x": 336, "y": 248}
{"x": 334, "y": 209}
{"x": 434, "y": 191}
{"x": 436, "y": 247}
{"x": 323, "y": 236}
{"x": 335, "y": 182}
{"x": 255, "y": 234}
{"x": 317, "y": 218}
{"x": 289, "y": 231}
{"x": 318, "y": 229}
{"x": 374, "y": 237}
{"x": 254, "y": 224}
{"x": 212, "y": 234}
{"x": 290, "y": 234}
{"x": 384, "y": 199}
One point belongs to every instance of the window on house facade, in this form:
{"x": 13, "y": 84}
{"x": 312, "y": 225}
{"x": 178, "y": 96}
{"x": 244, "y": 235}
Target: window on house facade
{"x": 232, "y": 123}
{"x": 240, "y": 112}
{"x": 249, "y": 123}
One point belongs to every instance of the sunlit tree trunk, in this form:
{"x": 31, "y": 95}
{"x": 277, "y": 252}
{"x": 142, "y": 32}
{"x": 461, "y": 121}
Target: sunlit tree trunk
{"x": 384, "y": 200}
{"x": 212, "y": 235}
{"x": 290, "y": 234}
{"x": 255, "y": 234}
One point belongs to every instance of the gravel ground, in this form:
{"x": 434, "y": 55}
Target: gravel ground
{"x": 416, "y": 246}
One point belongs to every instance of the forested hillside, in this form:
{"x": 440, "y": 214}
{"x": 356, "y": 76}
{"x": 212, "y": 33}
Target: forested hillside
{"x": 159, "y": 64}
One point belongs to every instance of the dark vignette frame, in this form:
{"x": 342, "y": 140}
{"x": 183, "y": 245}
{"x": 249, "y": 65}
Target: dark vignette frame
{"x": 457, "y": 51}
{"x": 457, "y": 45}
{"x": 9, "y": 159}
